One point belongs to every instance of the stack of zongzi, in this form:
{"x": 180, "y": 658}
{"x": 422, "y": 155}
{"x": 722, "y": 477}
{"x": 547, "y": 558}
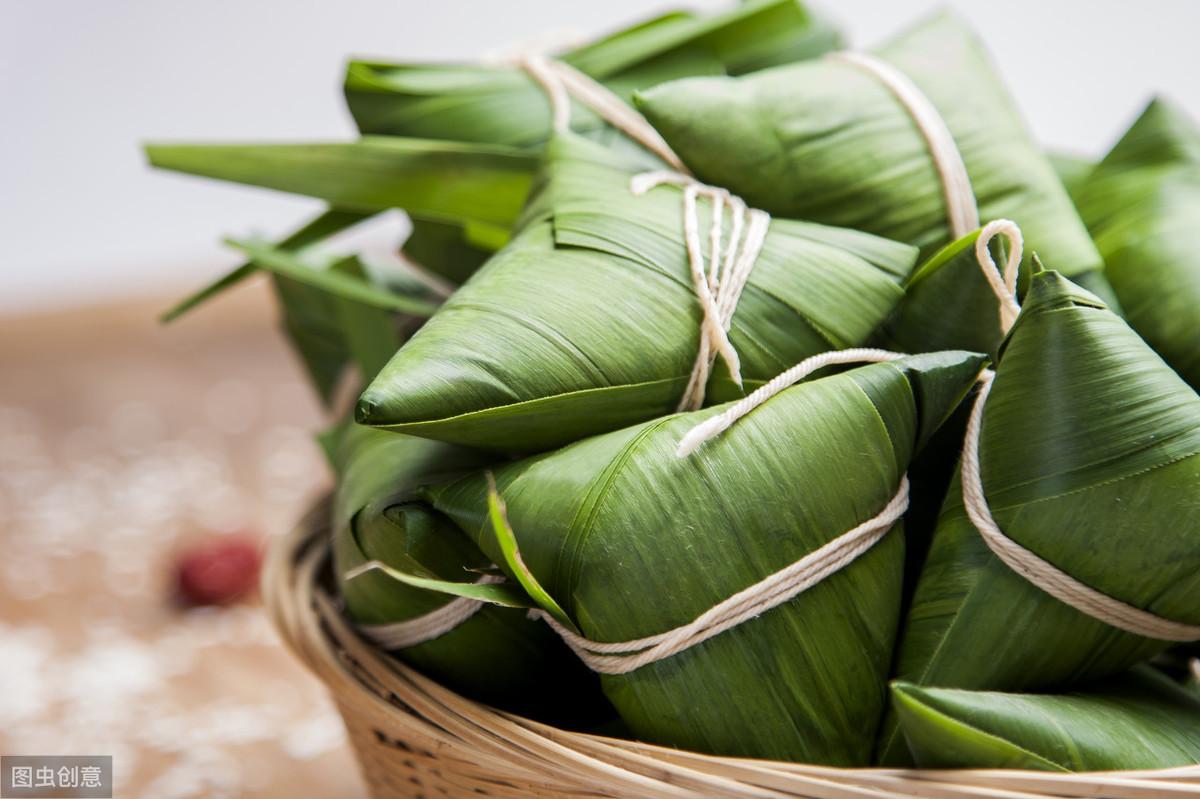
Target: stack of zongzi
{"x": 699, "y": 409}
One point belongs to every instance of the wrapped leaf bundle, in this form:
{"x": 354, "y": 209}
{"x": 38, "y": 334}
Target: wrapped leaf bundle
{"x": 1142, "y": 205}
{"x": 1089, "y": 456}
{"x": 498, "y": 103}
{"x": 493, "y": 653}
{"x": 632, "y": 540}
{"x": 915, "y": 143}
{"x": 1139, "y": 720}
{"x": 589, "y": 320}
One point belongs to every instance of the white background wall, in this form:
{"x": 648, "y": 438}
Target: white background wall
{"x": 82, "y": 82}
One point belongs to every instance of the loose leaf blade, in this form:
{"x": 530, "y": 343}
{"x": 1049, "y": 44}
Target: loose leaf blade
{"x": 503, "y": 594}
{"x": 455, "y": 182}
{"x": 319, "y": 229}
{"x": 334, "y": 282}
{"x": 506, "y": 540}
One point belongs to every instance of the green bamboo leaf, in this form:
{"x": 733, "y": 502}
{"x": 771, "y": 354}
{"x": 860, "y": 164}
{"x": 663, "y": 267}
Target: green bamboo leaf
{"x": 1072, "y": 170}
{"x": 337, "y": 283}
{"x": 588, "y": 320}
{"x": 506, "y": 542}
{"x": 1140, "y": 720}
{"x": 444, "y": 249}
{"x": 327, "y": 224}
{"x": 498, "y": 655}
{"x": 1142, "y": 205}
{"x": 631, "y": 540}
{"x": 505, "y": 595}
{"x": 748, "y": 36}
{"x": 501, "y": 105}
{"x": 326, "y": 320}
{"x": 1090, "y": 454}
{"x": 824, "y": 140}
{"x": 370, "y": 335}
{"x": 948, "y": 303}
{"x": 455, "y": 182}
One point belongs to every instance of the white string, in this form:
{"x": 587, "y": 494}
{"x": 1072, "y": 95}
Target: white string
{"x": 720, "y": 287}
{"x": 538, "y": 68}
{"x": 1004, "y": 286}
{"x": 961, "y": 210}
{"x": 426, "y": 627}
{"x": 562, "y": 81}
{"x": 768, "y": 593}
{"x": 715, "y": 425}
{"x": 1024, "y": 562}
{"x": 773, "y": 590}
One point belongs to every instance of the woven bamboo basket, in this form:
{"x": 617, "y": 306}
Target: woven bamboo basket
{"x": 414, "y": 738}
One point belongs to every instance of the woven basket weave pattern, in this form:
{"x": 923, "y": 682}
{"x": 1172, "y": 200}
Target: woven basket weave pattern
{"x": 414, "y": 738}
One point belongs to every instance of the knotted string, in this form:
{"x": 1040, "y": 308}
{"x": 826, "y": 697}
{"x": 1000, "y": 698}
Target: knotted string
{"x": 1024, "y": 562}
{"x": 715, "y": 425}
{"x": 720, "y": 287}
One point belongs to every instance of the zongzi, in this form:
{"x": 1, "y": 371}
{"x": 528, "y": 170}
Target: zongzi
{"x": 589, "y": 320}
{"x": 1142, "y": 205}
{"x": 1088, "y": 455}
{"x": 875, "y": 143}
{"x": 497, "y": 103}
{"x": 389, "y": 546}
{"x": 629, "y": 540}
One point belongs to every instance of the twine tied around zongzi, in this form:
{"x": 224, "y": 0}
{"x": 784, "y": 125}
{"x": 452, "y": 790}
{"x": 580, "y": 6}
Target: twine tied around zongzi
{"x": 729, "y": 268}
{"x": 715, "y": 425}
{"x": 561, "y": 82}
{"x": 426, "y": 627}
{"x": 1024, "y": 562}
{"x": 731, "y": 256}
{"x": 773, "y": 590}
{"x": 770, "y": 592}
{"x": 962, "y": 212}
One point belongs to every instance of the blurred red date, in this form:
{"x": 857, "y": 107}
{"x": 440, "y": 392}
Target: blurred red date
{"x": 219, "y": 571}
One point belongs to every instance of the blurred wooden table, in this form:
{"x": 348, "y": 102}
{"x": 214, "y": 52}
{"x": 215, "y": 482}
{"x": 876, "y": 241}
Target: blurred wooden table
{"x": 121, "y": 441}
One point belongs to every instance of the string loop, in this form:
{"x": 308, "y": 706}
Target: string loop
{"x": 715, "y": 425}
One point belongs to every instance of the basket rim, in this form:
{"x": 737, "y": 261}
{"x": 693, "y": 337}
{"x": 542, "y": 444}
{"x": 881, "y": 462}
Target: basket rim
{"x": 401, "y": 705}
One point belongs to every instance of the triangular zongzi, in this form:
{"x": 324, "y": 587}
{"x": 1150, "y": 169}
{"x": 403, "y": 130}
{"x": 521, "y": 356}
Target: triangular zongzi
{"x": 1142, "y": 205}
{"x": 829, "y": 141}
{"x": 632, "y": 540}
{"x": 1090, "y": 458}
{"x": 496, "y": 103}
{"x": 589, "y": 319}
